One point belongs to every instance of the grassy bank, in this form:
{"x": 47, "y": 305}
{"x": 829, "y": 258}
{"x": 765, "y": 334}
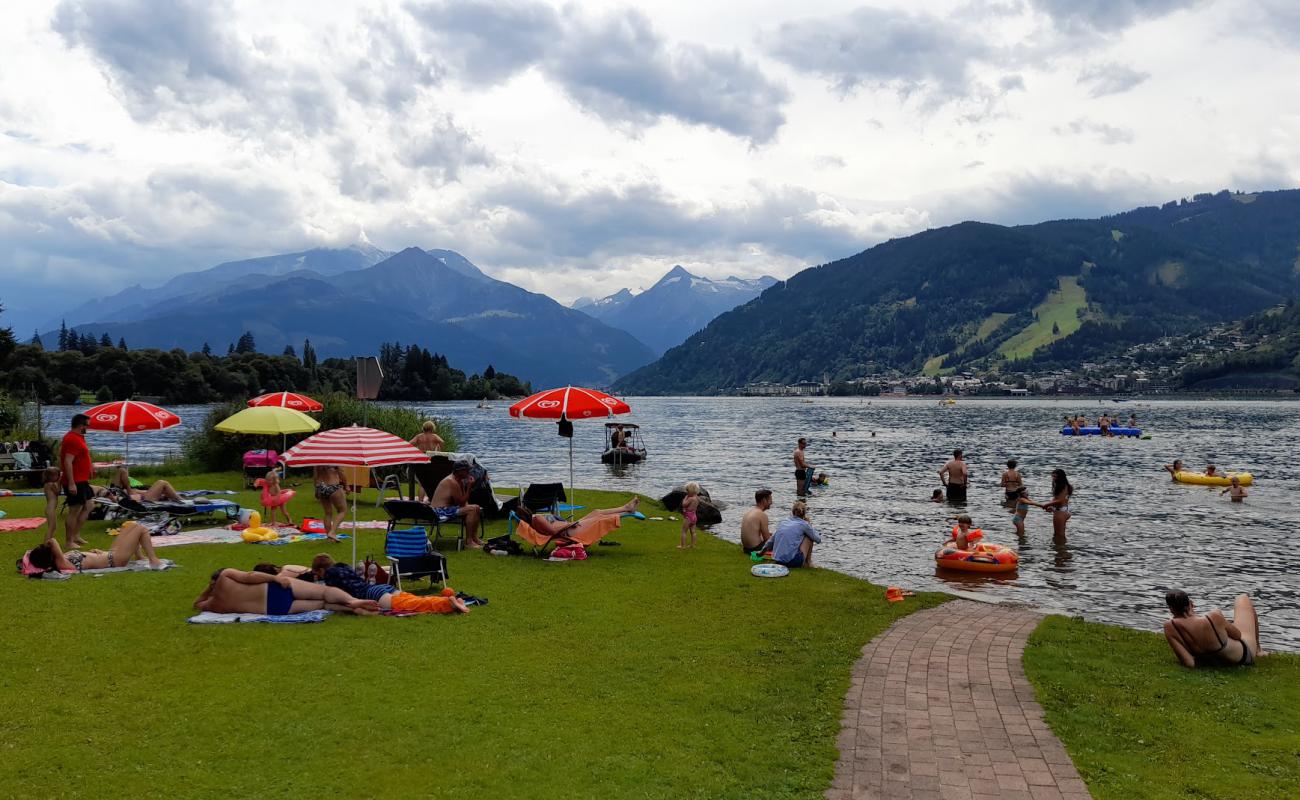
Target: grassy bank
{"x": 1138, "y": 725}
{"x": 643, "y": 672}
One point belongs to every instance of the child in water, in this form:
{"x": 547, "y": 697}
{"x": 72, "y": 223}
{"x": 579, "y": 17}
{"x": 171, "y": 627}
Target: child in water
{"x": 52, "y": 490}
{"x": 937, "y": 496}
{"x": 1022, "y": 504}
{"x": 962, "y": 534}
{"x": 690, "y": 507}
{"x": 1236, "y": 491}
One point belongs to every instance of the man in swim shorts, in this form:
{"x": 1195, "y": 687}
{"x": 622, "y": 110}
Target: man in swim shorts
{"x": 451, "y": 499}
{"x": 324, "y": 569}
{"x": 801, "y": 468}
{"x": 754, "y": 526}
{"x": 74, "y": 458}
{"x": 955, "y": 476}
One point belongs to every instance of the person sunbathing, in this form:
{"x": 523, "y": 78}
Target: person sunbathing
{"x": 160, "y": 490}
{"x": 233, "y": 591}
{"x": 133, "y": 539}
{"x": 549, "y": 527}
{"x": 1210, "y": 638}
{"x": 325, "y": 570}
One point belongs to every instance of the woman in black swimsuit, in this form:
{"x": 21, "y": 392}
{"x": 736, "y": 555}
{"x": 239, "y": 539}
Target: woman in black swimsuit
{"x": 1210, "y": 639}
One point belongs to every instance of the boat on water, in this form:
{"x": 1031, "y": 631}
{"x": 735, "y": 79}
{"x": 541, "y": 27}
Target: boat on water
{"x": 623, "y": 444}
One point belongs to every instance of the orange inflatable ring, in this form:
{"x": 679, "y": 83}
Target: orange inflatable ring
{"x": 981, "y": 558}
{"x": 972, "y": 535}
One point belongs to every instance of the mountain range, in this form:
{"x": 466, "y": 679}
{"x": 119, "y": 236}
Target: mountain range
{"x": 678, "y": 305}
{"x": 350, "y": 301}
{"x": 981, "y": 296}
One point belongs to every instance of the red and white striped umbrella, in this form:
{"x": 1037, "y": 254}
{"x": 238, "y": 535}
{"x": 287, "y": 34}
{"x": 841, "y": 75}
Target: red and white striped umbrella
{"x": 298, "y": 402}
{"x": 130, "y": 416}
{"x": 570, "y": 402}
{"x": 354, "y": 446}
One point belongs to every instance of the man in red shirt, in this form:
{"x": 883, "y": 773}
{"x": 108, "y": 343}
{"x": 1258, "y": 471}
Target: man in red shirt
{"x": 74, "y": 458}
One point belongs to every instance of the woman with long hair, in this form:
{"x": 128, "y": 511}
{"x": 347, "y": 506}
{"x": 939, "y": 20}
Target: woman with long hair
{"x": 1210, "y": 639}
{"x": 134, "y": 538}
{"x": 1059, "y": 505}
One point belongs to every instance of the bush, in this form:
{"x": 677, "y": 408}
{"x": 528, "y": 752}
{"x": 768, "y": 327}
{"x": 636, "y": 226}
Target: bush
{"x": 207, "y": 449}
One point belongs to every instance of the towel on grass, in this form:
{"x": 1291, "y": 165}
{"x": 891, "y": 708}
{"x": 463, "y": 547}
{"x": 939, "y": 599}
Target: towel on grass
{"x": 202, "y": 492}
{"x": 21, "y": 523}
{"x": 7, "y": 493}
{"x": 300, "y": 537}
{"x": 135, "y": 566}
{"x": 365, "y": 524}
{"x": 213, "y": 618}
{"x": 204, "y": 536}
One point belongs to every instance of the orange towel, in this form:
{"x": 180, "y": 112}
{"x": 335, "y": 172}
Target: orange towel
{"x": 422, "y": 604}
{"x": 588, "y": 531}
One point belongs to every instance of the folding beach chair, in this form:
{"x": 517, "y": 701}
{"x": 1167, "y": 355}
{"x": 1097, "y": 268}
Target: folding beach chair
{"x": 411, "y": 555}
{"x": 584, "y": 532}
{"x": 413, "y": 512}
{"x": 358, "y": 478}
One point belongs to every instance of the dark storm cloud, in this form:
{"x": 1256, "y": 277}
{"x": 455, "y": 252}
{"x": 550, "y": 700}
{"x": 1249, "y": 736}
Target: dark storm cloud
{"x": 616, "y": 66}
{"x": 1110, "y": 78}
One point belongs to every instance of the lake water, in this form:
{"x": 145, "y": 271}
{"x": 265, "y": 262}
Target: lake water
{"x": 1134, "y": 532}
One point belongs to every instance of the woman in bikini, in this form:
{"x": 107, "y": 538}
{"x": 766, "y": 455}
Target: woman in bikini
{"x": 333, "y": 499}
{"x": 160, "y": 490}
{"x": 546, "y": 527}
{"x": 49, "y": 557}
{"x": 1210, "y": 639}
{"x": 233, "y": 591}
{"x": 1059, "y": 505}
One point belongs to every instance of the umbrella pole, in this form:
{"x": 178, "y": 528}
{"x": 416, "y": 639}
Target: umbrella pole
{"x": 573, "y": 501}
{"x": 354, "y": 529}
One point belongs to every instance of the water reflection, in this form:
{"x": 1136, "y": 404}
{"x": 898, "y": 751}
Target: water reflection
{"x": 1133, "y": 534}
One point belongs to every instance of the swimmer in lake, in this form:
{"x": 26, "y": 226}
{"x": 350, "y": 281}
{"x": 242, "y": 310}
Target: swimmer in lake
{"x": 1174, "y": 468}
{"x": 1235, "y": 490}
{"x": 936, "y": 496}
{"x": 1011, "y": 483}
{"x": 1211, "y": 470}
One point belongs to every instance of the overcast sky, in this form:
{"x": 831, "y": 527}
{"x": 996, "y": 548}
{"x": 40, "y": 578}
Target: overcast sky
{"x": 576, "y": 149}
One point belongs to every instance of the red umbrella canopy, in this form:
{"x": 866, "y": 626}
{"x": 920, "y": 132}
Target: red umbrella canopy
{"x": 130, "y": 416}
{"x": 571, "y": 402}
{"x": 353, "y": 447}
{"x": 298, "y": 402}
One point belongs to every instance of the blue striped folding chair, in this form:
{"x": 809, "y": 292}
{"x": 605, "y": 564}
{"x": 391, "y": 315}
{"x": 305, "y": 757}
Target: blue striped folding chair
{"x": 411, "y": 555}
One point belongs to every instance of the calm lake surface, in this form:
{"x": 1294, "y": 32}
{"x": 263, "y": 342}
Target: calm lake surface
{"x": 1134, "y": 532}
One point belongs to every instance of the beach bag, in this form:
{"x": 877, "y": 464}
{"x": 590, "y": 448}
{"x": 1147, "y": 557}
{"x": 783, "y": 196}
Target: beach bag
{"x": 309, "y": 525}
{"x": 570, "y": 552}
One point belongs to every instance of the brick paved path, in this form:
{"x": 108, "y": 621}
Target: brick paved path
{"x": 940, "y": 707}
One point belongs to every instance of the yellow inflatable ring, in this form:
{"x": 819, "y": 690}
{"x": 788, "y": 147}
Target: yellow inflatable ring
{"x": 255, "y": 532}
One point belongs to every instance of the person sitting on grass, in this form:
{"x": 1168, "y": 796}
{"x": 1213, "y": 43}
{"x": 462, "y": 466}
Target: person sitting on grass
{"x": 755, "y": 528}
{"x": 133, "y": 539}
{"x": 548, "y": 527}
{"x": 1210, "y": 639}
{"x": 793, "y": 541}
{"x": 325, "y": 570}
{"x": 233, "y": 591}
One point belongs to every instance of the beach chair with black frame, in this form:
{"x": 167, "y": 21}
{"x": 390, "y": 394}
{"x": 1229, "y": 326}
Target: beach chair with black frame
{"x": 413, "y": 512}
{"x": 412, "y": 556}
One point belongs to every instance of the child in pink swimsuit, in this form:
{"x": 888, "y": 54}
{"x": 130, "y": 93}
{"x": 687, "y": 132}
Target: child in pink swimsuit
{"x": 690, "y": 515}
{"x": 274, "y": 499}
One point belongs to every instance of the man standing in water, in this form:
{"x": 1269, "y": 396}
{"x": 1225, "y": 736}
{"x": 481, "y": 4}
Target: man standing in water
{"x": 755, "y": 527}
{"x": 955, "y": 476}
{"x": 801, "y": 469}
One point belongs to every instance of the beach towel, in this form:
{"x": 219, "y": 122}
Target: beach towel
{"x": 7, "y": 493}
{"x": 204, "y": 536}
{"x": 135, "y": 566}
{"x": 202, "y": 492}
{"x": 212, "y": 618}
{"x": 365, "y": 524}
{"x": 21, "y": 523}
{"x": 300, "y": 537}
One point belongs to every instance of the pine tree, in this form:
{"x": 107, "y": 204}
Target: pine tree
{"x": 308, "y": 355}
{"x": 246, "y": 344}
{"x": 230, "y": 349}
{"x": 63, "y": 335}
{"x": 489, "y": 373}
{"x": 207, "y": 349}
{"x": 121, "y": 343}
{"x": 36, "y": 340}
{"x": 104, "y": 341}
{"x": 288, "y": 351}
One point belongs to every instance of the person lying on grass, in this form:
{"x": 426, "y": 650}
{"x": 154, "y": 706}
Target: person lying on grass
{"x": 134, "y": 539}
{"x": 233, "y": 591}
{"x": 325, "y": 570}
{"x": 160, "y": 490}
{"x": 1210, "y": 639}
{"x": 549, "y": 527}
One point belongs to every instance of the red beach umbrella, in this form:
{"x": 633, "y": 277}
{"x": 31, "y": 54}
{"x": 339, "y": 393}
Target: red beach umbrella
{"x": 353, "y": 446}
{"x": 130, "y": 416}
{"x": 298, "y": 402}
{"x": 568, "y": 403}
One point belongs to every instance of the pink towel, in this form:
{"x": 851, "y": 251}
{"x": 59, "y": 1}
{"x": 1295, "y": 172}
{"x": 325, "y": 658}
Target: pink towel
{"x": 21, "y": 524}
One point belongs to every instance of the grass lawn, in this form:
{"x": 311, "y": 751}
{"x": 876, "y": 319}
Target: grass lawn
{"x": 1138, "y": 725}
{"x": 1061, "y": 308}
{"x": 642, "y": 672}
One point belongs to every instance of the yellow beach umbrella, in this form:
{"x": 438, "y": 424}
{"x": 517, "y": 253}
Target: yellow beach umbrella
{"x": 268, "y": 420}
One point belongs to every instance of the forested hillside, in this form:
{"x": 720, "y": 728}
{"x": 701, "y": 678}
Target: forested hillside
{"x": 976, "y": 295}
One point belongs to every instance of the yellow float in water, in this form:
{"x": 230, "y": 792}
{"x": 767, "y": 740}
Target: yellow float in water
{"x": 255, "y": 532}
{"x": 1201, "y": 479}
